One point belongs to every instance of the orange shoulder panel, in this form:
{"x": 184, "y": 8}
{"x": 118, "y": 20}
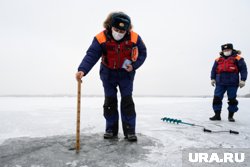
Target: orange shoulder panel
{"x": 101, "y": 38}
{"x": 217, "y": 59}
{"x": 134, "y": 37}
{"x": 238, "y": 57}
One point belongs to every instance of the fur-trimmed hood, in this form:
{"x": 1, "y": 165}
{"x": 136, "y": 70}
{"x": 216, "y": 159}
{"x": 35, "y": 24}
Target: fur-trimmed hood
{"x": 108, "y": 21}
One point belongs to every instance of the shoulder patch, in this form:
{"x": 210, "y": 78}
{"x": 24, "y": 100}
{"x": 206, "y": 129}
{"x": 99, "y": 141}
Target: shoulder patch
{"x": 217, "y": 59}
{"x": 101, "y": 37}
{"x": 134, "y": 37}
{"x": 238, "y": 57}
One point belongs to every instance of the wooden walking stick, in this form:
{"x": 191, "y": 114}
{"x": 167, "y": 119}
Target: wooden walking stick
{"x": 78, "y": 118}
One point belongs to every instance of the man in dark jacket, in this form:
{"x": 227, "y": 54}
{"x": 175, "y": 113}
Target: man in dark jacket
{"x": 122, "y": 52}
{"x": 225, "y": 75}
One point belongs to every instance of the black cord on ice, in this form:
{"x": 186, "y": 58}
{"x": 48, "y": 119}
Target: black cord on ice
{"x": 212, "y": 131}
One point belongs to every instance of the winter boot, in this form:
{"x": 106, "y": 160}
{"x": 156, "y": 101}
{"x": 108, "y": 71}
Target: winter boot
{"x": 131, "y": 137}
{"x": 110, "y": 135}
{"x": 230, "y": 117}
{"x": 216, "y": 117}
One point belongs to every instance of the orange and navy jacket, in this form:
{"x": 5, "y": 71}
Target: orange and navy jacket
{"x": 226, "y": 70}
{"x": 98, "y": 49}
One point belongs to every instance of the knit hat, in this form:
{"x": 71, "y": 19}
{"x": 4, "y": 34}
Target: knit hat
{"x": 120, "y": 21}
{"x": 227, "y": 46}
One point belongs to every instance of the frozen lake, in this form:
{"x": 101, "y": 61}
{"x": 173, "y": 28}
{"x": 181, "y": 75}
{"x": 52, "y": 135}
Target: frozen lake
{"x": 39, "y": 130}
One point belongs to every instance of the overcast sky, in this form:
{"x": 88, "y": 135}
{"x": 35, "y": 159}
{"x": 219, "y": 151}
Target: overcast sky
{"x": 42, "y": 42}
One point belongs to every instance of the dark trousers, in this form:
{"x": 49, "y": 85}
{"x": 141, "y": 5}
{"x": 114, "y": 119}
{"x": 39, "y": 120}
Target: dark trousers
{"x": 219, "y": 92}
{"x": 112, "y": 80}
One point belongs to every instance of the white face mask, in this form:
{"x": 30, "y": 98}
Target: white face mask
{"x": 227, "y": 53}
{"x": 117, "y": 36}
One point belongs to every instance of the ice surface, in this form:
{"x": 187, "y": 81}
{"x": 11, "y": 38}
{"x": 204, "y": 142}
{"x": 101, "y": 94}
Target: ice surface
{"x": 38, "y": 132}
{"x": 56, "y": 151}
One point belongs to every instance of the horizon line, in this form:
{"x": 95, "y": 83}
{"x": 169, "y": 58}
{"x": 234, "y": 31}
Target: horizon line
{"x": 99, "y": 95}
